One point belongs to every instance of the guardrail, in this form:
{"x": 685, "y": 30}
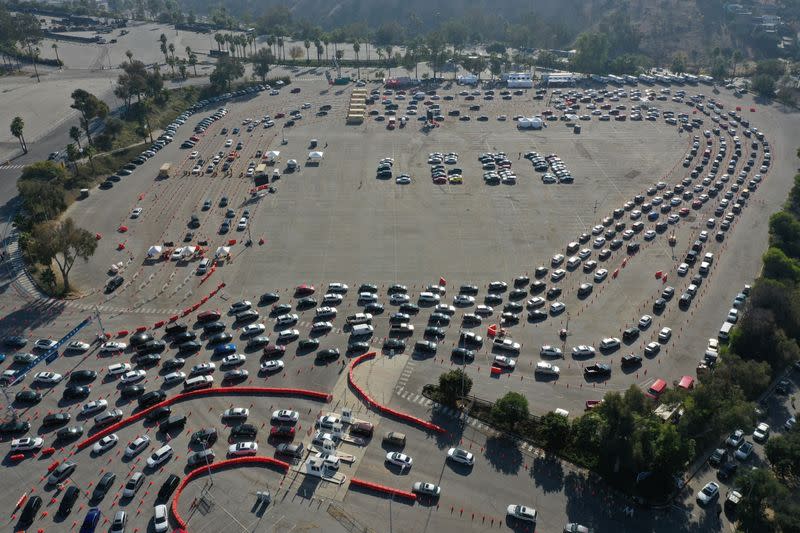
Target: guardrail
{"x": 303, "y": 393}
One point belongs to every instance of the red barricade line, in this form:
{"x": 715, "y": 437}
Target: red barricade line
{"x": 382, "y": 408}
{"x": 383, "y": 488}
{"x": 217, "y": 466}
{"x": 313, "y": 395}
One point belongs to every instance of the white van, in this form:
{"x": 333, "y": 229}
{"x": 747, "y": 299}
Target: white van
{"x": 359, "y": 318}
{"x": 692, "y": 289}
{"x": 725, "y": 331}
{"x": 198, "y": 382}
{"x": 704, "y": 267}
{"x": 202, "y": 268}
{"x": 159, "y": 456}
{"x": 361, "y": 330}
{"x": 708, "y": 258}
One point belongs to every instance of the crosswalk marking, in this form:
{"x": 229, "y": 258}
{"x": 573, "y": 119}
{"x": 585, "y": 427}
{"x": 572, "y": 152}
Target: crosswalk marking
{"x": 11, "y": 167}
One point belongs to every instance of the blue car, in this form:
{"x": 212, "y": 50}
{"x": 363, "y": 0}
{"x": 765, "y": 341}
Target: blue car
{"x": 225, "y": 349}
{"x": 90, "y": 522}
{"x": 652, "y": 216}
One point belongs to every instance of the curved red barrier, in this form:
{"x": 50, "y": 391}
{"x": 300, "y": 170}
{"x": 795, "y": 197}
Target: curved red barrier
{"x": 141, "y": 329}
{"x": 122, "y": 333}
{"x": 213, "y": 467}
{"x": 53, "y": 466}
{"x": 303, "y": 393}
{"x": 383, "y": 488}
{"x": 173, "y": 318}
{"x": 158, "y": 324}
{"x": 382, "y": 408}
{"x": 17, "y": 457}
{"x": 186, "y": 311}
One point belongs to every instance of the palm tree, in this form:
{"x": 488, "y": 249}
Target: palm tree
{"x": 220, "y": 40}
{"x": 129, "y": 54}
{"x": 193, "y": 62}
{"x": 171, "y": 63}
{"x": 172, "y": 50}
{"x": 35, "y": 56}
{"x": 165, "y": 50}
{"x": 89, "y": 152}
{"x": 75, "y": 135}
{"x": 54, "y": 46}
{"x": 356, "y": 49}
{"x": 243, "y": 41}
{"x": 17, "y": 125}
{"x": 326, "y": 42}
{"x": 281, "y": 48}
{"x": 271, "y": 43}
{"x": 252, "y": 40}
{"x": 319, "y": 51}
{"x": 307, "y": 44}
{"x": 389, "y": 59}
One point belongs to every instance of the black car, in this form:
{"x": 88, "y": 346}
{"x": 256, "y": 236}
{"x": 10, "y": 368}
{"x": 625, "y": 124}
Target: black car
{"x": 148, "y": 360}
{"x": 15, "y": 426}
{"x": 83, "y": 375}
{"x": 175, "y": 327}
{"x": 468, "y": 289}
{"x": 660, "y": 304}
{"x": 394, "y": 344}
{"x": 152, "y": 398}
{"x": 280, "y": 309}
{"x": 138, "y": 339}
{"x": 538, "y": 286}
{"x": 493, "y": 299}
{"x": 15, "y": 341}
{"x": 553, "y": 293}
{"x": 168, "y": 488}
{"x": 410, "y": 308}
{"x": 513, "y": 307}
{"x": 719, "y": 456}
{"x": 537, "y": 315}
{"x": 70, "y": 433}
{"x": 213, "y": 327}
{"x": 68, "y": 501}
{"x": 153, "y": 346}
{"x": 432, "y": 331}
{"x": 184, "y": 336}
{"x": 28, "y": 396}
{"x": 246, "y": 316}
{"x": 630, "y": 334}
{"x": 158, "y": 413}
{"x": 425, "y": 347}
{"x": 131, "y": 391}
{"x": 397, "y": 289}
{"x": 188, "y": 347}
{"x": 114, "y": 282}
{"x": 597, "y": 369}
{"x": 244, "y": 431}
{"x": 73, "y": 392}
{"x": 728, "y": 470}
{"x": 439, "y": 318}
{"x": 174, "y": 421}
{"x": 173, "y": 364}
{"x": 205, "y": 436}
{"x": 220, "y": 338}
{"x": 374, "y": 307}
{"x": 257, "y": 342}
{"x": 103, "y": 485}
{"x": 268, "y": 298}
{"x": 631, "y": 360}
{"x": 29, "y": 512}
{"x": 358, "y": 347}
{"x": 328, "y": 354}
{"x": 56, "y": 419}
{"x": 463, "y": 354}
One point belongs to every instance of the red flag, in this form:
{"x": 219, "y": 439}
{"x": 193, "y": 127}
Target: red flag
{"x": 442, "y": 282}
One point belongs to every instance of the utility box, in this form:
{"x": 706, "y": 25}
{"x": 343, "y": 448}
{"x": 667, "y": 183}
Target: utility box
{"x": 163, "y": 172}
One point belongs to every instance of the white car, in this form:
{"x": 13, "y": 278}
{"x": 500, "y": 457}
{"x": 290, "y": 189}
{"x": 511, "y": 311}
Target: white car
{"x": 49, "y": 378}
{"x": 27, "y": 444}
{"x": 583, "y": 351}
{"x": 136, "y": 446}
{"x": 44, "y": 344}
{"x": 228, "y": 143}
{"x": 645, "y": 321}
{"x": 399, "y": 298}
{"x": 337, "y": 287}
{"x": 136, "y": 212}
{"x": 403, "y": 179}
{"x": 160, "y": 456}
{"x": 447, "y": 309}
{"x": 520, "y": 512}
{"x": 321, "y": 326}
{"x": 113, "y": 347}
{"x": 600, "y": 275}
{"x": 94, "y": 406}
{"x": 233, "y": 359}
{"x": 733, "y": 316}
{"x": 484, "y": 310}
{"x": 106, "y": 443}
{"x": 550, "y": 351}
{"x": 242, "y": 225}
{"x": 194, "y": 154}
{"x": 557, "y": 307}
{"x": 241, "y": 449}
{"x": 665, "y": 334}
{"x": 160, "y": 519}
{"x": 236, "y": 412}
{"x": 133, "y": 376}
{"x": 464, "y": 299}
{"x": 761, "y": 433}
{"x": 273, "y": 365}
{"x": 288, "y": 335}
{"x": 506, "y": 344}
{"x": 285, "y": 415}
{"x": 504, "y": 362}
{"x": 289, "y": 318}
{"x": 202, "y": 368}
{"x": 461, "y": 455}
{"x": 174, "y": 377}
{"x": 683, "y": 269}
{"x": 609, "y": 343}
{"x": 78, "y": 346}
{"x": 253, "y": 329}
{"x": 543, "y": 367}
{"x": 708, "y": 493}
{"x": 400, "y": 459}
{"x": 652, "y": 348}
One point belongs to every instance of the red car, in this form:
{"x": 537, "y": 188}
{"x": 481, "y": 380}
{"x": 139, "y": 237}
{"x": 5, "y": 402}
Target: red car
{"x": 274, "y": 350}
{"x": 697, "y": 204}
{"x": 591, "y": 404}
{"x": 304, "y": 290}
{"x": 296, "y": 90}
{"x": 440, "y": 180}
{"x": 208, "y": 316}
{"x": 281, "y": 432}
{"x": 684, "y": 211}
{"x": 280, "y": 115}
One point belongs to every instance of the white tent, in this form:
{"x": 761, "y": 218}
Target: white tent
{"x": 188, "y": 251}
{"x": 316, "y": 156}
{"x": 272, "y": 155}
{"x": 154, "y": 251}
{"x": 222, "y": 251}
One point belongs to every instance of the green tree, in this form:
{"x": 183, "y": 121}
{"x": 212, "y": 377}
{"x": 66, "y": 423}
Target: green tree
{"x": 777, "y": 265}
{"x": 193, "y": 62}
{"x": 129, "y": 55}
{"x": 307, "y": 45}
{"x": 454, "y": 385}
{"x": 672, "y": 452}
{"x": 783, "y": 452}
{"x": 41, "y": 201}
{"x": 46, "y": 171}
{"x": 262, "y": 62}
{"x": 785, "y": 233}
{"x": 75, "y": 135}
{"x": 678, "y": 63}
{"x": 763, "y": 85}
{"x": 90, "y": 151}
{"x": 509, "y": 410}
{"x": 554, "y": 431}
{"x": 591, "y": 52}
{"x": 356, "y": 50}
{"x": 73, "y": 155}
{"x": 49, "y": 278}
{"x": 17, "y": 128}
{"x": 762, "y": 491}
{"x": 54, "y": 46}
{"x": 90, "y": 107}
{"x": 62, "y": 242}
{"x": 226, "y": 70}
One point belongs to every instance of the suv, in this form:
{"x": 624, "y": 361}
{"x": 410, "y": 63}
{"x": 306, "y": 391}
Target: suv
{"x": 168, "y": 488}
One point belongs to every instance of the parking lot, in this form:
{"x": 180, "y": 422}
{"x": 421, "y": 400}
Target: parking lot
{"x": 336, "y": 222}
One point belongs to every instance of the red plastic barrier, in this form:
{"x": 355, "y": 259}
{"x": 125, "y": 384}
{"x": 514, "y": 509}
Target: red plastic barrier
{"x": 382, "y": 408}
{"x": 204, "y": 299}
{"x": 122, "y": 229}
{"x": 122, "y": 333}
{"x": 303, "y": 393}
{"x": 186, "y": 311}
{"x": 158, "y": 324}
{"x": 98, "y": 236}
{"x": 383, "y": 488}
{"x": 141, "y": 329}
{"x": 173, "y": 318}
{"x": 17, "y": 457}
{"x": 48, "y": 451}
{"x": 195, "y": 307}
{"x": 495, "y": 370}
{"x": 240, "y": 461}
{"x": 53, "y": 466}
{"x": 231, "y": 242}
{"x": 121, "y": 246}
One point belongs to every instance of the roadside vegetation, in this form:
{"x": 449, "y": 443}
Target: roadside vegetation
{"x": 636, "y": 451}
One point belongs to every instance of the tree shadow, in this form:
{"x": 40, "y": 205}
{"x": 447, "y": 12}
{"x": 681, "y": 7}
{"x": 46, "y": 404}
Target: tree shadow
{"x": 548, "y": 474}
{"x": 503, "y": 455}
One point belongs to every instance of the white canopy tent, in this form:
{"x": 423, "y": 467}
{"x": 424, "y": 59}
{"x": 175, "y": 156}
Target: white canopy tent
{"x": 316, "y": 156}
{"x": 154, "y": 251}
{"x": 222, "y": 251}
{"x": 272, "y": 155}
